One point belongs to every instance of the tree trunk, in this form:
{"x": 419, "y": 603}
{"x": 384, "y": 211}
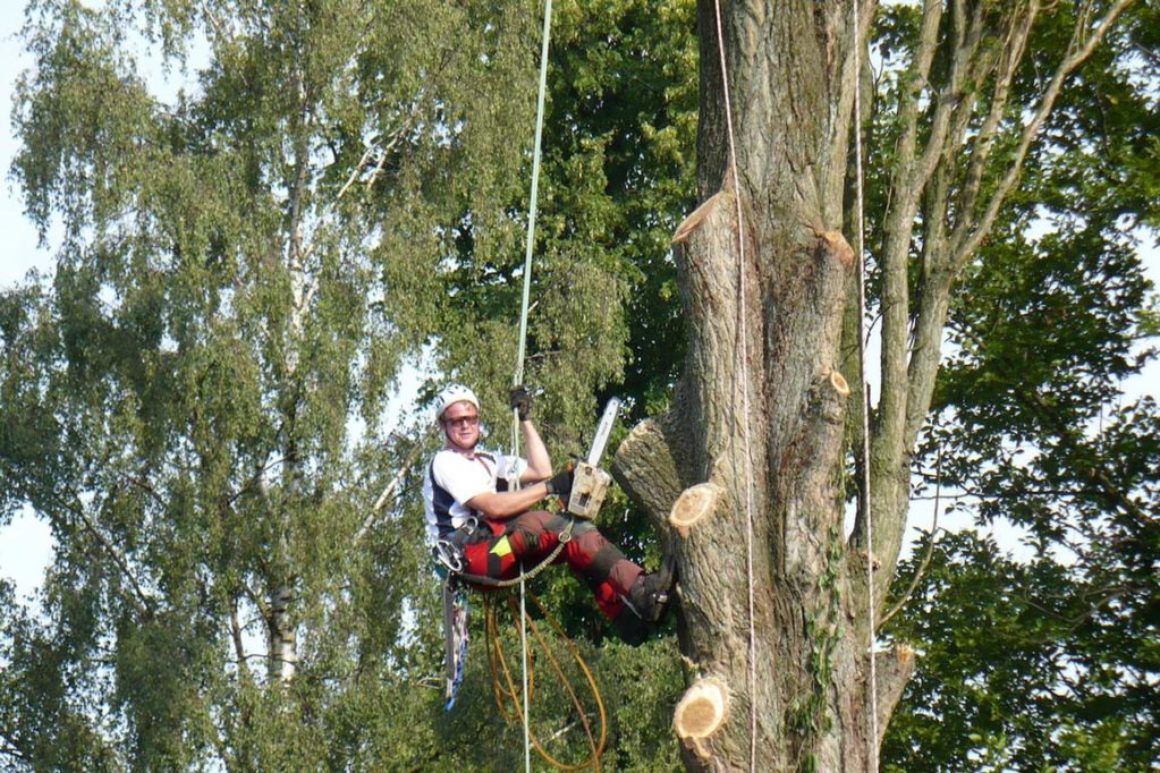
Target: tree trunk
{"x": 773, "y": 610}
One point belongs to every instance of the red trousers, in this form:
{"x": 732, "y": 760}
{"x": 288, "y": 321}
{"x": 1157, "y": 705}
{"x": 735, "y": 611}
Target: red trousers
{"x": 498, "y": 548}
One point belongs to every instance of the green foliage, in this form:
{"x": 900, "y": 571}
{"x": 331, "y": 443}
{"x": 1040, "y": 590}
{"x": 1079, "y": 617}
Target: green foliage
{"x": 1025, "y": 666}
{"x": 617, "y": 179}
{"x": 620, "y": 155}
{"x": 1045, "y": 663}
{"x": 178, "y": 403}
{"x": 245, "y": 267}
{"x": 194, "y": 403}
{"x": 640, "y": 687}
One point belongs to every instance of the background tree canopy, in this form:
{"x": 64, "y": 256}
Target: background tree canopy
{"x": 194, "y": 401}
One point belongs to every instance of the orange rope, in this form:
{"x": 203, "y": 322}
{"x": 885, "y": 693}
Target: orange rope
{"x": 502, "y": 674}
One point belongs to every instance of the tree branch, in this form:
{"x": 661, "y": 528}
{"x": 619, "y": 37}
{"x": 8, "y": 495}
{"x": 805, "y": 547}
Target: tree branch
{"x": 263, "y": 610}
{"x": 1011, "y": 54}
{"x": 956, "y": 105}
{"x": 905, "y": 188}
{"x": 968, "y": 239}
{"x": 236, "y": 633}
{"x": 951, "y": 99}
{"x": 146, "y": 487}
{"x": 141, "y": 601}
{"x": 645, "y": 467}
{"x": 382, "y": 154}
{"x": 894, "y": 669}
{"x": 921, "y": 571}
{"x": 396, "y": 481}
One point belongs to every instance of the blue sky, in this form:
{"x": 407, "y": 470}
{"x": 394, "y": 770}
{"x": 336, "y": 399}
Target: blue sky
{"x": 26, "y": 544}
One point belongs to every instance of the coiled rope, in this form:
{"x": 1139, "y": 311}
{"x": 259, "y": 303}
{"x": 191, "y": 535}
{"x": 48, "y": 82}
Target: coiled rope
{"x": 504, "y": 688}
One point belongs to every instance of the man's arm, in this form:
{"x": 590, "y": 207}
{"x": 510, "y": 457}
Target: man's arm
{"x": 500, "y": 505}
{"x": 539, "y": 463}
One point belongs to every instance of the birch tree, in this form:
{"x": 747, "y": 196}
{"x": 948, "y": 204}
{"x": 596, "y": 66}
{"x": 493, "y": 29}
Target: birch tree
{"x": 225, "y": 307}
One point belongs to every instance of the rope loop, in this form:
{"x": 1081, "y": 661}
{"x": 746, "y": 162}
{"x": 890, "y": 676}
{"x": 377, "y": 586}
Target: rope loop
{"x": 507, "y": 696}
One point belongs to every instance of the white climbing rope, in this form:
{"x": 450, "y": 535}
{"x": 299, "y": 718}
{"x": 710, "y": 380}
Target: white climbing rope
{"x": 532, "y": 203}
{"x": 872, "y": 691}
{"x": 519, "y": 372}
{"x": 743, "y": 369}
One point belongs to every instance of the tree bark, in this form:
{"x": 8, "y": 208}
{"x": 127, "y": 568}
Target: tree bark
{"x": 767, "y": 584}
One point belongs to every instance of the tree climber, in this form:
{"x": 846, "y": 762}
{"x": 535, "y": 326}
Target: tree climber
{"x": 479, "y": 522}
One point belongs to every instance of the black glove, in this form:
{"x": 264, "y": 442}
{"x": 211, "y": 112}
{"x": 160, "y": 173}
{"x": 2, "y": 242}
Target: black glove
{"x": 560, "y": 484}
{"x": 521, "y": 401}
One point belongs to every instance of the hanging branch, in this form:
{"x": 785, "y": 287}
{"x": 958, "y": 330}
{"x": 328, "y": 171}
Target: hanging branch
{"x": 382, "y": 154}
{"x": 141, "y": 600}
{"x": 396, "y": 481}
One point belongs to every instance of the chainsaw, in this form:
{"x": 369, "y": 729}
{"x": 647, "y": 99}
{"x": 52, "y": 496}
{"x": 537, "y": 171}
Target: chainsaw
{"x": 589, "y": 482}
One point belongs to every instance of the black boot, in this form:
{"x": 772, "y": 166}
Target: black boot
{"x": 650, "y": 593}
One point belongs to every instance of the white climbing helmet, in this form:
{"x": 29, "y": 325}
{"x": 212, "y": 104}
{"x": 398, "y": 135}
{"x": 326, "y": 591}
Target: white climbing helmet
{"x": 451, "y": 394}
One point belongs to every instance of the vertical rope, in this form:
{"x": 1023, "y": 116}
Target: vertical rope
{"x": 518, "y": 377}
{"x": 524, "y": 674}
{"x": 534, "y": 197}
{"x": 743, "y": 368}
{"x": 872, "y": 690}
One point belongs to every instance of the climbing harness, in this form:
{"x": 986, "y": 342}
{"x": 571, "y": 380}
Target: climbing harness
{"x": 448, "y": 551}
{"x": 451, "y": 565}
{"x": 453, "y": 550}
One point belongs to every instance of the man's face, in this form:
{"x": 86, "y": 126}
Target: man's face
{"x": 461, "y": 425}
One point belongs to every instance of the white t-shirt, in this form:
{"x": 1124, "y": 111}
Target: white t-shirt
{"x": 454, "y": 478}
